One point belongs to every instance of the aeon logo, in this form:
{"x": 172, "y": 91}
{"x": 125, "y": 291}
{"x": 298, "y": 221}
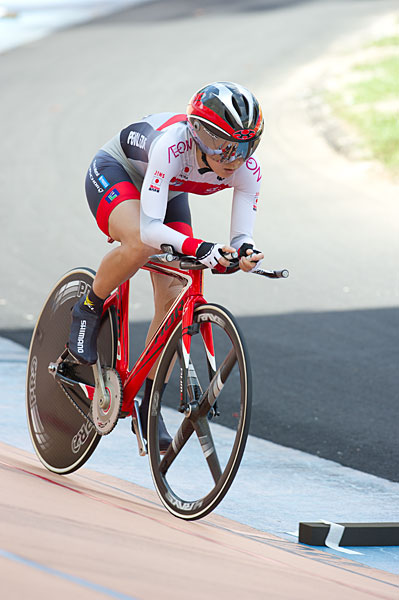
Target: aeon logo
{"x": 179, "y": 148}
{"x": 253, "y": 166}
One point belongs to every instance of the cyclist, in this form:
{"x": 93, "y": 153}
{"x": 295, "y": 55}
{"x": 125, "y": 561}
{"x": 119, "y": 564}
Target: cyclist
{"x": 137, "y": 187}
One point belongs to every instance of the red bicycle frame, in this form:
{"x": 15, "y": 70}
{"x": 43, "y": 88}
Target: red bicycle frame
{"x": 181, "y": 310}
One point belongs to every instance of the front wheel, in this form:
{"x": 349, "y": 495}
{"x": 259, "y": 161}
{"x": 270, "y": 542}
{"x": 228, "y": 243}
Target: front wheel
{"x": 62, "y": 433}
{"x": 209, "y": 437}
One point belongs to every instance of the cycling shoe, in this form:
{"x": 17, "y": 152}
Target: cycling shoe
{"x": 84, "y": 331}
{"x": 164, "y": 438}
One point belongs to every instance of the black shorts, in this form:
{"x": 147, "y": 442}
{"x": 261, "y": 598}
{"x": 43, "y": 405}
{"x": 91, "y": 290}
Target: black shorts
{"x": 108, "y": 184}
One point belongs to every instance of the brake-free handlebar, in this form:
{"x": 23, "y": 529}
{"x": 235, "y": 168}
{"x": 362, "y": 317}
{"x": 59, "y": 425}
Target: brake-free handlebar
{"x": 190, "y": 263}
{"x": 282, "y": 274}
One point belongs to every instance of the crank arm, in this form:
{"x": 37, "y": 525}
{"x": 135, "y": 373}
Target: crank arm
{"x": 88, "y": 390}
{"x": 138, "y": 430}
{"x": 99, "y": 384}
{"x": 56, "y": 370}
{"x": 53, "y": 367}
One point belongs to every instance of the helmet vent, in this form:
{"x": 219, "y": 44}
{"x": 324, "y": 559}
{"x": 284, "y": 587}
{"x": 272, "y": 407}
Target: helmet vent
{"x": 236, "y": 106}
{"x": 230, "y": 121}
{"x": 246, "y": 105}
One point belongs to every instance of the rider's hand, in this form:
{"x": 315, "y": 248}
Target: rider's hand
{"x": 210, "y": 254}
{"x": 249, "y": 258}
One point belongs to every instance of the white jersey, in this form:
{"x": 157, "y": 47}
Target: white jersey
{"x": 160, "y": 156}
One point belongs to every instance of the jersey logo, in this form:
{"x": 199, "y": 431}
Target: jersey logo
{"x": 253, "y": 166}
{"x": 155, "y": 185}
{"x": 104, "y": 182}
{"x": 255, "y": 204}
{"x": 136, "y": 139}
{"x": 185, "y": 173}
{"x": 179, "y": 148}
{"x": 111, "y": 196}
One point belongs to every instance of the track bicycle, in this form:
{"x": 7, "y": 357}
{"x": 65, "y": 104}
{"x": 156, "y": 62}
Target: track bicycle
{"x": 202, "y": 355}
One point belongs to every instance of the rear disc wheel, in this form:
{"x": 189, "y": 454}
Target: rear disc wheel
{"x": 61, "y": 432}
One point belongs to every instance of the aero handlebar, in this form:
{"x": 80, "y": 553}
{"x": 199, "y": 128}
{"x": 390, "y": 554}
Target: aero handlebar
{"x": 189, "y": 263}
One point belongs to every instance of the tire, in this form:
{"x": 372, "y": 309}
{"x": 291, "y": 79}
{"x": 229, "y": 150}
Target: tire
{"x": 62, "y": 437}
{"x": 197, "y": 470}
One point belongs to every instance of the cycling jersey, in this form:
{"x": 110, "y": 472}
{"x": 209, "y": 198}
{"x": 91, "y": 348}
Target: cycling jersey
{"x": 159, "y": 155}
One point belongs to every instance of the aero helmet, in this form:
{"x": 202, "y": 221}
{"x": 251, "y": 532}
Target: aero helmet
{"x": 225, "y": 120}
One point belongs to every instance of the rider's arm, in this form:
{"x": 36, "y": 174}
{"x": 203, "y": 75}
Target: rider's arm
{"x": 154, "y": 198}
{"x": 245, "y": 203}
{"x": 163, "y": 165}
{"x": 242, "y": 219}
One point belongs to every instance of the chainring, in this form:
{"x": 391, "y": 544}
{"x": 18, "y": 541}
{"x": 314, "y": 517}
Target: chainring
{"x": 105, "y": 417}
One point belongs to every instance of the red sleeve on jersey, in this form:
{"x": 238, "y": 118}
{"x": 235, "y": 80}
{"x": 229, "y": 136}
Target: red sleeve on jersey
{"x": 190, "y": 245}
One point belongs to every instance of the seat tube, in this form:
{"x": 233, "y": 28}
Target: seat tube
{"x": 122, "y": 362}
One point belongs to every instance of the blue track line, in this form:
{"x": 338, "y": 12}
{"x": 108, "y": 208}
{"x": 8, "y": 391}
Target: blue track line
{"x": 70, "y": 578}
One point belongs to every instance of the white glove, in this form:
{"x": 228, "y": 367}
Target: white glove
{"x": 209, "y": 254}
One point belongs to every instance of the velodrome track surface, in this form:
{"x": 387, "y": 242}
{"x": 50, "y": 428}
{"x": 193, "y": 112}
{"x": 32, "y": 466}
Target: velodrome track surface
{"x": 89, "y": 535}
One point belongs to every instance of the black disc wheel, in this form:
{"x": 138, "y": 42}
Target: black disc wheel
{"x": 209, "y": 436}
{"x": 62, "y": 436}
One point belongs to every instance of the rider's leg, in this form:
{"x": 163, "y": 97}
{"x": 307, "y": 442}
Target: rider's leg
{"x": 117, "y": 266}
{"x": 166, "y": 290}
{"x": 123, "y": 262}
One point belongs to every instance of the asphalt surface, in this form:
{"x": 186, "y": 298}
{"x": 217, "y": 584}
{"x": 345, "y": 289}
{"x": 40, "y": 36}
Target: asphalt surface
{"x": 323, "y": 343}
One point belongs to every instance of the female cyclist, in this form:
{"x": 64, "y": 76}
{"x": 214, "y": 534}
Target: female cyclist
{"x": 137, "y": 187}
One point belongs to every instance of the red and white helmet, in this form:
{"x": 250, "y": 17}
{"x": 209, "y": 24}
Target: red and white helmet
{"x": 225, "y": 120}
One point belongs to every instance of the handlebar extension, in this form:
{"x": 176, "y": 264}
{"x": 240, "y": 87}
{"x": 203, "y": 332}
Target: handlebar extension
{"x": 186, "y": 262}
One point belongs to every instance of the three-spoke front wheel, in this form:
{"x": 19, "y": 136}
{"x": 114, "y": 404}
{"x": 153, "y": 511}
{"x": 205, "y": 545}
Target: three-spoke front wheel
{"x": 209, "y": 438}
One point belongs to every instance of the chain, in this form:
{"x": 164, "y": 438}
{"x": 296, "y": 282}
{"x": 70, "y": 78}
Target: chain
{"x": 76, "y": 405}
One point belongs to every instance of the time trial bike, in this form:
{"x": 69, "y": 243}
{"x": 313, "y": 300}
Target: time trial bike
{"x": 203, "y": 357}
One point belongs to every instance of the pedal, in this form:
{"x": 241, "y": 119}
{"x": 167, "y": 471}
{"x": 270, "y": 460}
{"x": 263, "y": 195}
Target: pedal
{"x": 138, "y": 430}
{"x": 54, "y": 366}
